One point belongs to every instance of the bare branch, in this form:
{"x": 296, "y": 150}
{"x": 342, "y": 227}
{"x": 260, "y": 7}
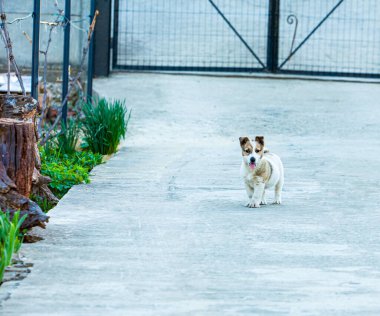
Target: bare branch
{"x": 9, "y": 49}
{"x": 21, "y": 19}
{"x": 52, "y": 25}
{"x": 72, "y": 83}
{"x": 27, "y": 37}
{"x": 8, "y": 63}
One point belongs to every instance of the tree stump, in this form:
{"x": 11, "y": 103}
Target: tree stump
{"x": 17, "y": 152}
{"x": 18, "y": 157}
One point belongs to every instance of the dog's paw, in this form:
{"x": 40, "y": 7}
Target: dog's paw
{"x": 263, "y": 202}
{"x": 276, "y": 202}
{"x": 253, "y": 205}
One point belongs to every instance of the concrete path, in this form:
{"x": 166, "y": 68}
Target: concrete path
{"x": 162, "y": 229}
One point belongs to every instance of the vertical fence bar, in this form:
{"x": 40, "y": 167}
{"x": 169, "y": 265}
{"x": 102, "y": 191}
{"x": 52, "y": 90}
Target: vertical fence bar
{"x": 35, "y": 48}
{"x": 102, "y": 39}
{"x": 273, "y": 35}
{"x": 90, "y": 67}
{"x": 66, "y": 57}
{"x": 115, "y": 37}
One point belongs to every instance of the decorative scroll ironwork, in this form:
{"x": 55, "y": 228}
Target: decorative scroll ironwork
{"x": 292, "y": 18}
{"x": 311, "y": 33}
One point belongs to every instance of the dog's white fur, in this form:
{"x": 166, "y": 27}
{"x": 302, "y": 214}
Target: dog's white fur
{"x": 269, "y": 173}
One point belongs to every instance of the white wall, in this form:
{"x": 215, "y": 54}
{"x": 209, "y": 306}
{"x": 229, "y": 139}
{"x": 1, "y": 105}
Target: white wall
{"x": 23, "y": 49}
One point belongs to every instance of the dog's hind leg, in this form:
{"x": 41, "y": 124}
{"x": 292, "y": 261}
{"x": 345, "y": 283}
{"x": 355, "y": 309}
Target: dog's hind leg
{"x": 278, "y": 186}
{"x": 263, "y": 199}
{"x": 278, "y": 191}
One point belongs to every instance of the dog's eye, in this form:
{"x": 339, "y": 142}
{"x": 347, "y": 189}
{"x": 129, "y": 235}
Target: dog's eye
{"x": 257, "y": 150}
{"x": 247, "y": 151}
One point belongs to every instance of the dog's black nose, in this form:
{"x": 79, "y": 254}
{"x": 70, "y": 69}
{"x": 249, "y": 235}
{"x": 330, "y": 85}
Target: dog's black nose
{"x": 253, "y": 159}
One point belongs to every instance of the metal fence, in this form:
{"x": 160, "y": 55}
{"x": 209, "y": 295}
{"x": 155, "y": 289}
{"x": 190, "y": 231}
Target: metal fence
{"x": 329, "y": 37}
{"x": 30, "y": 19}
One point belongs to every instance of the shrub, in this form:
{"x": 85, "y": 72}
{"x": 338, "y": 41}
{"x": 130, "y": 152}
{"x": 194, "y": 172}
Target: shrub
{"x": 67, "y": 139}
{"x": 105, "y": 125}
{"x": 67, "y": 170}
{"x": 10, "y": 241}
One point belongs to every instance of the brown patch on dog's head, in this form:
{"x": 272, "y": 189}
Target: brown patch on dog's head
{"x": 260, "y": 140}
{"x": 246, "y": 146}
{"x": 243, "y": 140}
{"x": 259, "y": 144}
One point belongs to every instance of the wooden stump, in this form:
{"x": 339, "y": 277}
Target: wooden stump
{"x": 17, "y": 152}
{"x": 17, "y": 107}
{"x": 18, "y": 157}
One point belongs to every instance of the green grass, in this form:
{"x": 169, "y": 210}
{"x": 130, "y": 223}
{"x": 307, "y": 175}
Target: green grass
{"x": 10, "y": 240}
{"x": 66, "y": 170}
{"x": 43, "y": 203}
{"x": 67, "y": 139}
{"x": 104, "y": 126}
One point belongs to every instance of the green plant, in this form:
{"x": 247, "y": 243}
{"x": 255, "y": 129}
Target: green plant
{"x": 10, "y": 241}
{"x": 43, "y": 203}
{"x": 104, "y": 126}
{"x": 67, "y": 139}
{"x": 87, "y": 159}
{"x": 64, "y": 175}
{"x": 66, "y": 170}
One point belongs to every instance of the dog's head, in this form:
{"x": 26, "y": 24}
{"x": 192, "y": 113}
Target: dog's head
{"x": 252, "y": 151}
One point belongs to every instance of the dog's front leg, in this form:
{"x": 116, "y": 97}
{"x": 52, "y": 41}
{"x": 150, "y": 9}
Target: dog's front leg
{"x": 258, "y": 191}
{"x": 249, "y": 190}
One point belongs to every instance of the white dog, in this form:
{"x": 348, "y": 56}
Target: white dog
{"x": 260, "y": 170}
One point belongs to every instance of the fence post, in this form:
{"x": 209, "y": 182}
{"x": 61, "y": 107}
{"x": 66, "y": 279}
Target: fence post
{"x": 115, "y": 36}
{"x": 90, "y": 67}
{"x": 36, "y": 48}
{"x": 102, "y": 37}
{"x": 66, "y": 58}
{"x": 273, "y": 35}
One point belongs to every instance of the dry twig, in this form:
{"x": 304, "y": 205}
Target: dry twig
{"x": 8, "y": 46}
{"x": 45, "y": 52}
{"x": 75, "y": 79}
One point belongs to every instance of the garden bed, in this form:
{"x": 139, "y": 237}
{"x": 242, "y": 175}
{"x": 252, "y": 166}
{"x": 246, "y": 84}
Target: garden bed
{"x": 67, "y": 160}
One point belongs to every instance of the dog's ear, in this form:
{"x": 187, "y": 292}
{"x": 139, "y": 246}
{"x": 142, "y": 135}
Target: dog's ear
{"x": 243, "y": 140}
{"x": 260, "y": 140}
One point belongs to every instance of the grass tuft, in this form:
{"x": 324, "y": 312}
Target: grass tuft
{"x": 10, "y": 240}
{"x": 105, "y": 125}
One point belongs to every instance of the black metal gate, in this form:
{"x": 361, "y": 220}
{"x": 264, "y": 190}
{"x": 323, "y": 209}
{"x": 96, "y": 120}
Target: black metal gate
{"x": 314, "y": 37}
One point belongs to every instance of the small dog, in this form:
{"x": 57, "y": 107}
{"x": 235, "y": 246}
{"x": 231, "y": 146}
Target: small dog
{"x": 260, "y": 170}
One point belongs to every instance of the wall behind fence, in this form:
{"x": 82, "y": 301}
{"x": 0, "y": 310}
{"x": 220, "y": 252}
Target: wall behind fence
{"x": 23, "y": 48}
{"x": 314, "y": 37}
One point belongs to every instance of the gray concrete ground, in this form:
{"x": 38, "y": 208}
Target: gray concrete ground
{"x": 162, "y": 229}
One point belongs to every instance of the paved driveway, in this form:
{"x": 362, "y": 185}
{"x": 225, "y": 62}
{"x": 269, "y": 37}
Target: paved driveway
{"x": 162, "y": 229}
